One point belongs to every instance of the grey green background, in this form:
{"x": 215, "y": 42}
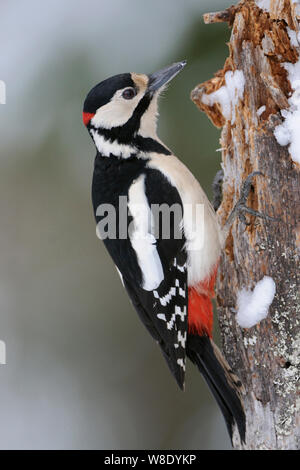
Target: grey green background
{"x": 82, "y": 372}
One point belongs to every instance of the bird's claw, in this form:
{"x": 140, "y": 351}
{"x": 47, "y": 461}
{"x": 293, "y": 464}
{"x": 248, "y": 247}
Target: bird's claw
{"x": 241, "y": 208}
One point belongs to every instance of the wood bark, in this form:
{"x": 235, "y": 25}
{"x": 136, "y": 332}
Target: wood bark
{"x": 266, "y": 356}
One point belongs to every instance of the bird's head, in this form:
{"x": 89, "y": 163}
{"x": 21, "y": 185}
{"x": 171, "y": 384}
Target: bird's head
{"x": 124, "y": 107}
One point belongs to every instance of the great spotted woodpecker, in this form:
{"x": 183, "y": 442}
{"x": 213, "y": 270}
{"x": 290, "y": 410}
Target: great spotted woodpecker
{"x": 169, "y": 279}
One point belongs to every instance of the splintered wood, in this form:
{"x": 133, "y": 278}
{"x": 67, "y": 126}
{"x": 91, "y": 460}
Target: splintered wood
{"x": 248, "y": 106}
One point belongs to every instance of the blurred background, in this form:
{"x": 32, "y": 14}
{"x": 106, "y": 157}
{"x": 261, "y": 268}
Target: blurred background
{"x": 82, "y": 372}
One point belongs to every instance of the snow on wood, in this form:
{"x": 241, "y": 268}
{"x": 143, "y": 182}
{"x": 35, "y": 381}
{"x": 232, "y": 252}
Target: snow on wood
{"x": 253, "y": 306}
{"x": 263, "y": 4}
{"x": 261, "y": 110}
{"x": 228, "y": 95}
{"x": 287, "y": 133}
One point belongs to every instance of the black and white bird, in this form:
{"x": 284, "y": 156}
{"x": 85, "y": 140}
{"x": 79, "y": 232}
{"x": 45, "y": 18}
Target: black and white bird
{"x": 169, "y": 277}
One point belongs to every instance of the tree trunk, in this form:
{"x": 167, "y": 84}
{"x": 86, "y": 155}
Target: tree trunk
{"x": 248, "y": 108}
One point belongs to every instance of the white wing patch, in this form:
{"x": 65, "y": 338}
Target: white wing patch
{"x": 181, "y": 363}
{"x": 161, "y": 316}
{"x": 166, "y": 298}
{"x": 141, "y": 235}
{"x": 181, "y": 313}
{"x": 182, "y": 338}
{"x": 170, "y": 303}
{"x": 171, "y": 322}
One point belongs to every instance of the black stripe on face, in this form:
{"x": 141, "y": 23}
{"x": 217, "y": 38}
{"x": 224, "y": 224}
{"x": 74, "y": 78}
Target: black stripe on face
{"x": 126, "y": 134}
{"x": 102, "y": 93}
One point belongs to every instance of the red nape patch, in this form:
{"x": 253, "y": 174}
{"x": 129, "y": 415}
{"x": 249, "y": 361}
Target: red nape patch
{"x": 86, "y": 117}
{"x": 200, "y": 309}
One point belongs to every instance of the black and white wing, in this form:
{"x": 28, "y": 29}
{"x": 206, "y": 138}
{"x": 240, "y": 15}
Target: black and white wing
{"x": 164, "y": 313}
{"x": 162, "y": 298}
{"x": 152, "y": 264}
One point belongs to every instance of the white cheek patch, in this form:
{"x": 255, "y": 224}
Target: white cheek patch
{"x": 116, "y": 112}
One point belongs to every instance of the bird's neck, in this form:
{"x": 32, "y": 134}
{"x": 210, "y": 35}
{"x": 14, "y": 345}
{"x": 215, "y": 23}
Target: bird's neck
{"x": 110, "y": 142}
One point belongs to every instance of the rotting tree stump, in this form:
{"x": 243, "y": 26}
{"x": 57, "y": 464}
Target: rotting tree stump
{"x": 266, "y": 356}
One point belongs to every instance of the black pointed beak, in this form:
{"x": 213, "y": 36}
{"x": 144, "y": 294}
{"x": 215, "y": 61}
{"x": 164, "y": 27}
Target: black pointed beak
{"x": 164, "y": 76}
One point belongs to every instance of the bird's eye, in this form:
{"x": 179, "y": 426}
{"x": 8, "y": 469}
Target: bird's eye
{"x": 128, "y": 94}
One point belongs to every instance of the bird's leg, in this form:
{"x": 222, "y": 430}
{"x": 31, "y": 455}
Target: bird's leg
{"x": 217, "y": 187}
{"x": 241, "y": 208}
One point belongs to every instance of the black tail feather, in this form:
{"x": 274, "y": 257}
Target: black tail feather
{"x": 223, "y": 384}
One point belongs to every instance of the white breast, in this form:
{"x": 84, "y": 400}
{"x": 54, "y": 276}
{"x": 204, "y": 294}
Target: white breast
{"x": 199, "y": 221}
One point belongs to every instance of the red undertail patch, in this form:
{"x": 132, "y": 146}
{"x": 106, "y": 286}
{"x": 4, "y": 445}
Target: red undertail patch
{"x": 200, "y": 308}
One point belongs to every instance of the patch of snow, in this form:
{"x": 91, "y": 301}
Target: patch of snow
{"x": 253, "y": 305}
{"x": 294, "y": 37}
{"x": 228, "y": 95}
{"x": 296, "y": 4}
{"x": 260, "y": 110}
{"x": 287, "y": 133}
{"x": 263, "y": 4}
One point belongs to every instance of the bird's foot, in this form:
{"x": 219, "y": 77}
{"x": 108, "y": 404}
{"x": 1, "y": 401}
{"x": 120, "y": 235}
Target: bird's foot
{"x": 240, "y": 209}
